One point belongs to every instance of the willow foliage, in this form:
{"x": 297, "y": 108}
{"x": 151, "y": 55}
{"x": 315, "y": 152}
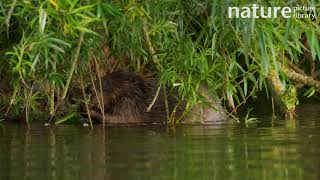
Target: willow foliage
{"x": 195, "y": 42}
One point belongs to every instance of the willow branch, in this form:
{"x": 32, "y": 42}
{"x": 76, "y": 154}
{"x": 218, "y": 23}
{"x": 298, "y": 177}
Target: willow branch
{"x": 296, "y": 68}
{"x": 149, "y": 45}
{"x": 306, "y": 80}
{"x": 74, "y": 64}
{"x": 154, "y": 99}
{"x": 86, "y": 103}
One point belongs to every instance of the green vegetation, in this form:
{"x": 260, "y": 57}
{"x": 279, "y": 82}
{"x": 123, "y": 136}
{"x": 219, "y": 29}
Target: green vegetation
{"x": 50, "y": 50}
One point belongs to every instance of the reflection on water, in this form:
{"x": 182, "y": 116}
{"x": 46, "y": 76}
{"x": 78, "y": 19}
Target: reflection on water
{"x": 272, "y": 150}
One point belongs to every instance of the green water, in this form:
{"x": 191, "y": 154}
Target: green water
{"x": 269, "y": 150}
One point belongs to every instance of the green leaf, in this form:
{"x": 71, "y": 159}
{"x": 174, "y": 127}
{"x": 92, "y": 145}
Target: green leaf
{"x": 65, "y": 118}
{"x": 111, "y": 10}
{"x": 59, "y": 41}
{"x": 83, "y": 8}
{"x": 84, "y": 29}
{"x": 264, "y": 57}
{"x": 310, "y": 92}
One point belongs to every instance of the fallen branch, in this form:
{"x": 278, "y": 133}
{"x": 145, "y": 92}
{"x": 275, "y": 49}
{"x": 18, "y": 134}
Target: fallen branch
{"x": 306, "y": 80}
{"x": 296, "y": 68}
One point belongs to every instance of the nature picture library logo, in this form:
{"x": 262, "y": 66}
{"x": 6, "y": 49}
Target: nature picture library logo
{"x": 256, "y": 11}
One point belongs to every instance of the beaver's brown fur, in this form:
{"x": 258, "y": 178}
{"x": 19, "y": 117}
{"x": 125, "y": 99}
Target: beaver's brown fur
{"x": 126, "y": 97}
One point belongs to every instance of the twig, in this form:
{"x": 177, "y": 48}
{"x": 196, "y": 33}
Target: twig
{"x": 273, "y": 108}
{"x": 114, "y": 66}
{"x": 300, "y": 78}
{"x": 86, "y": 103}
{"x": 101, "y": 104}
{"x": 166, "y": 102}
{"x": 13, "y": 98}
{"x": 173, "y": 114}
{"x": 149, "y": 45}
{"x": 97, "y": 95}
{"x": 52, "y": 86}
{"x": 74, "y": 64}
{"x": 27, "y": 105}
{"x": 249, "y": 95}
{"x": 154, "y": 99}
{"x": 66, "y": 88}
{"x": 296, "y": 68}
{"x": 233, "y": 116}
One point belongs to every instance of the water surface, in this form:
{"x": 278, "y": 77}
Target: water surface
{"x": 276, "y": 149}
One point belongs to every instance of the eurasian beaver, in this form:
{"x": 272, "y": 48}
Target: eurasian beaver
{"x": 126, "y": 97}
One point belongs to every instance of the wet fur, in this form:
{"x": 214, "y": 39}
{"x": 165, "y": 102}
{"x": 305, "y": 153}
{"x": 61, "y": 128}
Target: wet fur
{"x": 126, "y": 97}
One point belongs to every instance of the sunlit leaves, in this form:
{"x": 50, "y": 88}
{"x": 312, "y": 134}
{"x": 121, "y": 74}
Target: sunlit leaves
{"x": 42, "y": 19}
{"x": 54, "y": 3}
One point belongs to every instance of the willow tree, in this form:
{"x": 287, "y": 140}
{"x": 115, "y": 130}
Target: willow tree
{"x": 50, "y": 48}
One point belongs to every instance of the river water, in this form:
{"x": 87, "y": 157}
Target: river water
{"x": 278, "y": 149}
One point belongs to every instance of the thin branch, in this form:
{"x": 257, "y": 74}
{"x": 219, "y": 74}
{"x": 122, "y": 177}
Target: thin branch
{"x": 52, "y": 85}
{"x": 296, "y": 68}
{"x": 245, "y": 100}
{"x": 300, "y": 78}
{"x": 86, "y": 103}
{"x": 13, "y": 98}
{"x": 154, "y": 99}
{"x": 149, "y": 45}
{"x": 66, "y": 88}
{"x": 100, "y": 100}
{"x": 27, "y": 105}
{"x": 74, "y": 64}
{"x": 166, "y": 102}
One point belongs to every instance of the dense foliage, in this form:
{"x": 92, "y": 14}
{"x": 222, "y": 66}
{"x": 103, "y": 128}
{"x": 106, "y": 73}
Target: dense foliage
{"x": 48, "y": 48}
